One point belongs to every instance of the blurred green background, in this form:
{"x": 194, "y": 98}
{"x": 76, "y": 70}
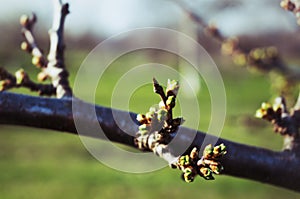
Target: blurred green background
{"x": 37, "y": 163}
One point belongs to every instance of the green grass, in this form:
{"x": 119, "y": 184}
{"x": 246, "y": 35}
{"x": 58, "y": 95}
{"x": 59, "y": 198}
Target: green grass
{"x": 37, "y": 163}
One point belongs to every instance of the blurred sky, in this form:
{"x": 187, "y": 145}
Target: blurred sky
{"x": 108, "y": 17}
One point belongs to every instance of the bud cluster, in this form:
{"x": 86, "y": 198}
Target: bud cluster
{"x": 277, "y": 114}
{"x": 158, "y": 123}
{"x": 192, "y": 165}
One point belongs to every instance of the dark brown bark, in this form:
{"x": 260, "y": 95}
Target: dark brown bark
{"x": 263, "y": 165}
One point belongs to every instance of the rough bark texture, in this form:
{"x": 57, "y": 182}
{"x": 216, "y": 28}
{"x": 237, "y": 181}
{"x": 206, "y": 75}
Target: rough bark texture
{"x": 276, "y": 168}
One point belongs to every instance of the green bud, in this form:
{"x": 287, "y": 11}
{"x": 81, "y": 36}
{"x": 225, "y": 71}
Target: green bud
{"x": 143, "y": 128}
{"x": 172, "y": 87}
{"x": 194, "y": 153}
{"x": 260, "y": 113}
{"x": 216, "y": 168}
{"x": 161, "y": 105}
{"x": 171, "y": 101}
{"x": 206, "y": 173}
{"x": 187, "y": 170}
{"x": 188, "y": 177}
{"x": 223, "y": 149}
{"x": 20, "y": 76}
{"x": 208, "y": 151}
{"x": 162, "y": 115}
{"x": 184, "y": 160}
{"x": 150, "y": 115}
{"x": 219, "y": 150}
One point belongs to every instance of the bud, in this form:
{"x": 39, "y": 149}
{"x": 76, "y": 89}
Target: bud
{"x": 194, "y": 153}
{"x": 20, "y": 76}
{"x": 42, "y": 76}
{"x": 143, "y": 129}
{"x": 171, "y": 101}
{"x": 161, "y": 105}
{"x": 35, "y": 60}
{"x": 38, "y": 61}
{"x": 188, "y": 175}
{"x": 25, "y": 46}
{"x": 150, "y": 115}
{"x": 24, "y": 20}
{"x": 260, "y": 113}
{"x": 216, "y": 168}
{"x": 206, "y": 173}
{"x": 208, "y": 151}
{"x": 172, "y": 87}
{"x": 184, "y": 160}
{"x": 239, "y": 59}
{"x": 162, "y": 115}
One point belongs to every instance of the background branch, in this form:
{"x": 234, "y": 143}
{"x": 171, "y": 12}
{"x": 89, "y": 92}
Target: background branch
{"x": 56, "y": 66}
{"x": 56, "y": 114}
{"x": 265, "y": 59}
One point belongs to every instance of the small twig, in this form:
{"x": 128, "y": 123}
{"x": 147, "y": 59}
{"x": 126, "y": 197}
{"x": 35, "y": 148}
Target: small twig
{"x": 21, "y": 79}
{"x": 158, "y": 89}
{"x": 284, "y": 122}
{"x": 30, "y": 44}
{"x": 54, "y": 65}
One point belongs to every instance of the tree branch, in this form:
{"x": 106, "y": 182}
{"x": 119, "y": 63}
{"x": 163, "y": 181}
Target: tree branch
{"x": 241, "y": 161}
{"x": 265, "y": 59}
{"x": 56, "y": 66}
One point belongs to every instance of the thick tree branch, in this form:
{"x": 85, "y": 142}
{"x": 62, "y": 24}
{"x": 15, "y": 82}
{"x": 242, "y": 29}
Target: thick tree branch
{"x": 241, "y": 161}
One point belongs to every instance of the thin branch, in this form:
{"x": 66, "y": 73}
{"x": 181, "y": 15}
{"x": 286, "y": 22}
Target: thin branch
{"x": 21, "y": 79}
{"x": 56, "y": 67}
{"x": 284, "y": 122}
{"x": 30, "y": 44}
{"x": 265, "y": 59}
{"x": 241, "y": 161}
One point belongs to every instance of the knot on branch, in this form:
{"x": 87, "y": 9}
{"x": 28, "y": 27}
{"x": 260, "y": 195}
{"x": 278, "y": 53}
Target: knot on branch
{"x": 192, "y": 165}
